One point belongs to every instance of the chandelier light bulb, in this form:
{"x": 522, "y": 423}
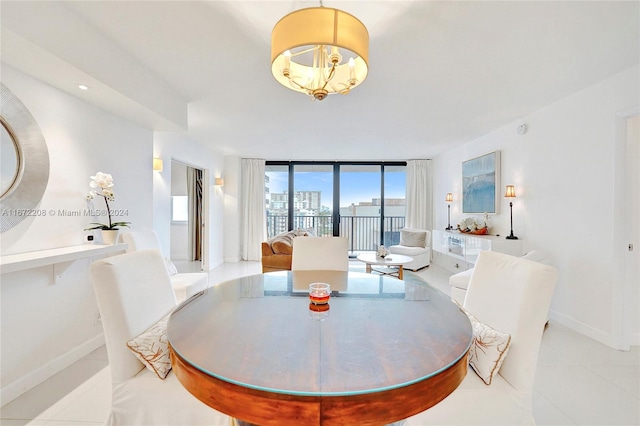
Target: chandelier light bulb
{"x": 287, "y": 63}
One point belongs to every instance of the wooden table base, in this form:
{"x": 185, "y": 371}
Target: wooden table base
{"x": 264, "y": 408}
{"x": 398, "y": 273}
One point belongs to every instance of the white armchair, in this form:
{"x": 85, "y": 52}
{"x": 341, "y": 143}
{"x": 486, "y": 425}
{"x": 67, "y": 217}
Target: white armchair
{"x": 184, "y": 284}
{"x": 133, "y": 293}
{"x": 415, "y": 243}
{"x": 519, "y": 310}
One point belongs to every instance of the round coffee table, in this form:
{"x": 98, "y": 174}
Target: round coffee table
{"x": 393, "y": 260}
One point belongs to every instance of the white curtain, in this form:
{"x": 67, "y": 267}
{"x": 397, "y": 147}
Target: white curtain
{"x": 254, "y": 214}
{"x": 419, "y": 213}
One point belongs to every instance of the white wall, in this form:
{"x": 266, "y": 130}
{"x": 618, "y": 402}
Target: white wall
{"x": 563, "y": 170}
{"x": 45, "y": 327}
{"x": 180, "y": 147}
{"x": 179, "y": 230}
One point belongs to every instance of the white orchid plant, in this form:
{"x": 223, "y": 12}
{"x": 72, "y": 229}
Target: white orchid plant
{"x": 102, "y": 186}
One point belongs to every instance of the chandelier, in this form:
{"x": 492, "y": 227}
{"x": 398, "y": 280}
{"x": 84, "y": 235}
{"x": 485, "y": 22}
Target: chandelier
{"x": 319, "y": 51}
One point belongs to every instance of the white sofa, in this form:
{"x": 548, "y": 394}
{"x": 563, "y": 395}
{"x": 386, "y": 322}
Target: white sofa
{"x": 460, "y": 282}
{"x": 415, "y": 243}
{"x": 185, "y": 284}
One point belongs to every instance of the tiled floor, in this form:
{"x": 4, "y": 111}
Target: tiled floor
{"x": 579, "y": 381}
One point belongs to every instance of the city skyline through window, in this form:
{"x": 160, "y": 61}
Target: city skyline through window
{"x": 357, "y": 192}
{"x": 364, "y": 202}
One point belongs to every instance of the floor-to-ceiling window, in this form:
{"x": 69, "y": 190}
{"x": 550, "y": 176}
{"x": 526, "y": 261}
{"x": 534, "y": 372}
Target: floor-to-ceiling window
{"x": 363, "y": 201}
{"x": 361, "y": 208}
{"x": 313, "y": 197}
{"x": 395, "y": 185}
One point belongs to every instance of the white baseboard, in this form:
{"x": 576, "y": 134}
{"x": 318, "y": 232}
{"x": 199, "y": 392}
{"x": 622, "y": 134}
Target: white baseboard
{"x": 582, "y": 328}
{"x": 27, "y": 382}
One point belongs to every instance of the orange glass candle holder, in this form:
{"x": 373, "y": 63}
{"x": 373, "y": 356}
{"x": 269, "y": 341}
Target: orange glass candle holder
{"x": 319, "y": 293}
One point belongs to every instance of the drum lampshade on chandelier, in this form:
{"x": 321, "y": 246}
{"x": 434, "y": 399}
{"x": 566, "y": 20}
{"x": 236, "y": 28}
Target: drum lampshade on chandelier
{"x": 320, "y": 51}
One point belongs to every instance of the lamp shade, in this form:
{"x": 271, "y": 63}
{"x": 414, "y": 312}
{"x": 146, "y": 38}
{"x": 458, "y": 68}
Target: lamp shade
{"x": 449, "y": 197}
{"x": 319, "y": 51}
{"x": 510, "y": 192}
{"x": 157, "y": 164}
{"x": 219, "y": 182}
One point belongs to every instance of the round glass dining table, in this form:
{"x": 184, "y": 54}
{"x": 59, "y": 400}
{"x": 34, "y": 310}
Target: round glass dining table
{"x": 380, "y": 351}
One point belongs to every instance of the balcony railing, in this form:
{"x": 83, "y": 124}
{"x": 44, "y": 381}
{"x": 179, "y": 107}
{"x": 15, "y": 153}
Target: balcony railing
{"x": 363, "y": 232}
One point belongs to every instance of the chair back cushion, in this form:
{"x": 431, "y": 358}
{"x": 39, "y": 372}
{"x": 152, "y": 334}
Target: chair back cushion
{"x": 415, "y": 237}
{"x": 133, "y": 291}
{"x": 141, "y": 240}
{"x": 513, "y": 295}
{"x": 321, "y": 253}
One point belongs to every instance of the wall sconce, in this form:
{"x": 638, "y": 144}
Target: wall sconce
{"x": 219, "y": 182}
{"x": 510, "y": 192}
{"x": 157, "y": 164}
{"x": 449, "y": 200}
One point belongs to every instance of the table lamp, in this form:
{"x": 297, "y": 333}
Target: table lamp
{"x": 449, "y": 199}
{"x": 510, "y": 192}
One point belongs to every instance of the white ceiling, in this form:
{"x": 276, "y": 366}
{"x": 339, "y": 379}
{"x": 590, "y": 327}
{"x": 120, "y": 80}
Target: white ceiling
{"x": 441, "y": 72}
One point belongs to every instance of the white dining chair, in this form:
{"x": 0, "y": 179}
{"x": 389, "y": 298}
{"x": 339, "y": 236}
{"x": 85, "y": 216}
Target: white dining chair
{"x": 185, "y": 284}
{"x": 511, "y": 295}
{"x": 320, "y": 253}
{"x": 134, "y": 292}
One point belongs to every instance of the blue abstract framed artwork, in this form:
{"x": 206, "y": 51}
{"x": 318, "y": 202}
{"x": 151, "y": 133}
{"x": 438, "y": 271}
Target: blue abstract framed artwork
{"x": 480, "y": 183}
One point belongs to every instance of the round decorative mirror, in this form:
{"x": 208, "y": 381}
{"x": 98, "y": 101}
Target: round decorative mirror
{"x": 9, "y": 158}
{"x": 24, "y": 163}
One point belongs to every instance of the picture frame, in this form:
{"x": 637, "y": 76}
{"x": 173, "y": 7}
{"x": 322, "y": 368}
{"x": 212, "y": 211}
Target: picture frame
{"x": 481, "y": 183}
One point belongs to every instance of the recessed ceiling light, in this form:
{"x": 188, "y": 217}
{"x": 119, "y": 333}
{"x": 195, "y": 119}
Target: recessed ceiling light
{"x": 83, "y": 87}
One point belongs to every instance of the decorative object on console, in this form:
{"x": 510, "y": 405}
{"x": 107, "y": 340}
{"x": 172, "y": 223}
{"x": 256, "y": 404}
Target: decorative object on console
{"x": 319, "y": 51}
{"x": 480, "y": 180}
{"x": 102, "y": 184}
{"x": 510, "y": 192}
{"x": 449, "y": 199}
{"x": 470, "y": 226}
{"x": 382, "y": 252}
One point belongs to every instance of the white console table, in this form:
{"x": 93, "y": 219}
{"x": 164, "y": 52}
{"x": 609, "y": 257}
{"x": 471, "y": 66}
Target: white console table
{"x": 465, "y": 248}
{"x": 61, "y": 258}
